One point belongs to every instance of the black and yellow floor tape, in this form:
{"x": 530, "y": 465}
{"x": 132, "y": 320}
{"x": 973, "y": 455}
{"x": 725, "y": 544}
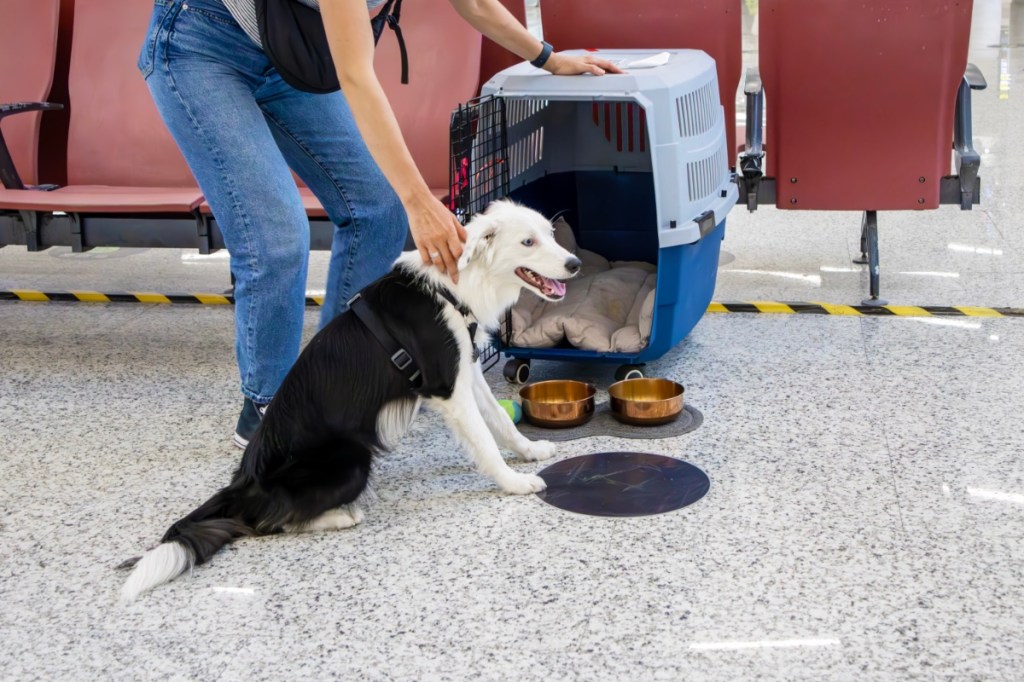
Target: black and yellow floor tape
{"x": 137, "y": 297}
{"x": 816, "y": 308}
{"x": 764, "y": 307}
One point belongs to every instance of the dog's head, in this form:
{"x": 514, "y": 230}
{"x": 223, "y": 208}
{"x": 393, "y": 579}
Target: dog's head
{"x": 514, "y": 242}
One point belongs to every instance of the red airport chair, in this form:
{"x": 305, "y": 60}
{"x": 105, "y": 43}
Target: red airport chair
{"x": 128, "y": 184}
{"x": 28, "y": 57}
{"x": 865, "y": 99}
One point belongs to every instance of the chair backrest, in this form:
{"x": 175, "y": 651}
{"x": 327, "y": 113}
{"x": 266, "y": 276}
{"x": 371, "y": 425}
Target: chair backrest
{"x": 53, "y": 143}
{"x": 493, "y": 57}
{"x": 28, "y": 53}
{"x": 859, "y": 96}
{"x": 116, "y": 135}
{"x": 714, "y": 26}
{"x": 444, "y": 67}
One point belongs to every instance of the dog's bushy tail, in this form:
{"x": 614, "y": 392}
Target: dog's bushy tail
{"x": 189, "y": 542}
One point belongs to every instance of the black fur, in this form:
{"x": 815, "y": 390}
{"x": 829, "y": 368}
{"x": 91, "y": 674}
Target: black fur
{"x": 314, "y": 449}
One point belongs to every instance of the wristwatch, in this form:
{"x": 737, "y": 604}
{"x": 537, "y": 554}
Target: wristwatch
{"x": 545, "y": 53}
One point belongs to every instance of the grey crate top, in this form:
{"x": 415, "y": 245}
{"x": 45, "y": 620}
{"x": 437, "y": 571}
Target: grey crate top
{"x": 685, "y": 126}
{"x": 684, "y": 68}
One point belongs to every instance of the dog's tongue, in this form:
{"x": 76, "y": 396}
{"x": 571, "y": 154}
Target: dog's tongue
{"x": 553, "y": 287}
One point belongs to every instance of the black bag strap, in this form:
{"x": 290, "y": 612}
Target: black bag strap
{"x": 400, "y": 357}
{"x": 391, "y": 19}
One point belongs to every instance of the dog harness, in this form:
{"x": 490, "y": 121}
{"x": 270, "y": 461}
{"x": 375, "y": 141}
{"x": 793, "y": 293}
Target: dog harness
{"x": 466, "y": 314}
{"x": 400, "y": 357}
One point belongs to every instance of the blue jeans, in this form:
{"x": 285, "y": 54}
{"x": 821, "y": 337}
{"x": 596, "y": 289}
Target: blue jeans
{"x": 242, "y": 129}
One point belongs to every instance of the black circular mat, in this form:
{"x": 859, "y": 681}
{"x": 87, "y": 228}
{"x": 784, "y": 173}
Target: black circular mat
{"x": 623, "y": 484}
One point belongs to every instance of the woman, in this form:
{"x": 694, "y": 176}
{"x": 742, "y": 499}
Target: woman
{"x": 242, "y": 129}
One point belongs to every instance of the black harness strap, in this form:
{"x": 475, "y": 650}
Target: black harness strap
{"x": 399, "y": 356}
{"x": 466, "y": 313}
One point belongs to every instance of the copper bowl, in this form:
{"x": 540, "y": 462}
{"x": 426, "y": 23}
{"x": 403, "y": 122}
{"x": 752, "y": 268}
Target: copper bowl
{"x": 558, "y": 404}
{"x": 646, "y": 402}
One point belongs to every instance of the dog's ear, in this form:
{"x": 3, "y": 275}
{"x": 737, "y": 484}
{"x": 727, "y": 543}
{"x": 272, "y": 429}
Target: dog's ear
{"x": 478, "y": 243}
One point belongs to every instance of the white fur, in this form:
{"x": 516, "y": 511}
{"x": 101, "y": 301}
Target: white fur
{"x": 505, "y": 432}
{"x": 488, "y": 285}
{"x": 332, "y": 519}
{"x": 394, "y": 420}
{"x": 159, "y": 565}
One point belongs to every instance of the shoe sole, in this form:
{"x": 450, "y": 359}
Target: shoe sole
{"x": 241, "y": 443}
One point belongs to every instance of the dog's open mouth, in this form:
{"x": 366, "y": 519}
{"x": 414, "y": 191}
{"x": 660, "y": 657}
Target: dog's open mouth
{"x": 549, "y": 288}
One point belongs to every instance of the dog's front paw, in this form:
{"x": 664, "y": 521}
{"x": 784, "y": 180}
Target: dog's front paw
{"x": 522, "y": 484}
{"x": 538, "y": 450}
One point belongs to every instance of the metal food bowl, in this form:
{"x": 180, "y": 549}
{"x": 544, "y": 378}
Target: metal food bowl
{"x": 646, "y": 402}
{"x": 558, "y": 404}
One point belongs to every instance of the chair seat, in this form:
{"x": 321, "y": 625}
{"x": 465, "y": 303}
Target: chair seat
{"x": 314, "y": 209}
{"x": 104, "y": 199}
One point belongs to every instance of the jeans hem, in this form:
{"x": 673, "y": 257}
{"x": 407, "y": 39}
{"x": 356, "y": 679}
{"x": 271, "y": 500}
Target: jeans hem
{"x": 258, "y": 398}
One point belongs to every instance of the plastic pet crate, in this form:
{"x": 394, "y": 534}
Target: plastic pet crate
{"x": 637, "y": 163}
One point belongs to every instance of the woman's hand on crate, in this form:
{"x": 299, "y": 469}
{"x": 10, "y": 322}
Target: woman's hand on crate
{"x": 571, "y": 65}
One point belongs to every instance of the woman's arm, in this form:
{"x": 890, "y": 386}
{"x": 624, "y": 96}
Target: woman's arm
{"x": 433, "y": 227}
{"x": 492, "y": 19}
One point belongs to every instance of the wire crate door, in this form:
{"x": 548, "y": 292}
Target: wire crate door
{"x": 478, "y": 172}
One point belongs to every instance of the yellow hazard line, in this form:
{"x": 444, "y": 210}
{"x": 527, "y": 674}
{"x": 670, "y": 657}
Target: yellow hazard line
{"x": 757, "y": 307}
{"x": 821, "y": 308}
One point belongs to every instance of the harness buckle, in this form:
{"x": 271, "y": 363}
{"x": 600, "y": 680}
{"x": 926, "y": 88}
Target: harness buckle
{"x": 402, "y": 359}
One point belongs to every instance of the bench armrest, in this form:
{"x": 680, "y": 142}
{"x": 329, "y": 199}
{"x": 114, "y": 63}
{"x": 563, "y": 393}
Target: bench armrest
{"x": 8, "y": 173}
{"x": 967, "y": 160}
{"x": 975, "y": 78}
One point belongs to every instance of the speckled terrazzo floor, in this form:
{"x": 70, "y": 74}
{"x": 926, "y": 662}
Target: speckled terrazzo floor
{"x": 865, "y": 519}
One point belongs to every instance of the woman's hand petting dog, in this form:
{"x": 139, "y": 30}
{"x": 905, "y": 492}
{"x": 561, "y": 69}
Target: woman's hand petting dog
{"x": 438, "y": 234}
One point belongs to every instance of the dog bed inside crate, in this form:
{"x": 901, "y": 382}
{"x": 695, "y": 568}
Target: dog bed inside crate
{"x": 608, "y": 307}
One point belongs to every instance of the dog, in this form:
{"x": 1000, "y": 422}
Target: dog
{"x": 350, "y": 396}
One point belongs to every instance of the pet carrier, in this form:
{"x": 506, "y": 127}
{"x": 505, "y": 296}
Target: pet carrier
{"x": 637, "y": 165}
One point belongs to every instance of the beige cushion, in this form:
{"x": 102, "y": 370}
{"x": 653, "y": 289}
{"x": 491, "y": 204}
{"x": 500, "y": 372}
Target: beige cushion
{"x": 608, "y": 307}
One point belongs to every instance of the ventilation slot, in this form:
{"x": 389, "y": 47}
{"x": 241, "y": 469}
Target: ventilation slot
{"x": 518, "y": 110}
{"x": 705, "y": 176}
{"x": 526, "y": 153}
{"x": 697, "y": 111}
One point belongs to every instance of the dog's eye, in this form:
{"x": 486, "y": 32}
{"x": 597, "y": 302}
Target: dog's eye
{"x": 528, "y": 242}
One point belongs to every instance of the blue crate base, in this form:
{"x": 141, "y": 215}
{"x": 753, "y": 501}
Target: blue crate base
{"x": 685, "y": 286}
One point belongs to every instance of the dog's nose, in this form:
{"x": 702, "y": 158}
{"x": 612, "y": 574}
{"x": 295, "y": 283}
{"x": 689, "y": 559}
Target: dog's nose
{"x": 573, "y": 264}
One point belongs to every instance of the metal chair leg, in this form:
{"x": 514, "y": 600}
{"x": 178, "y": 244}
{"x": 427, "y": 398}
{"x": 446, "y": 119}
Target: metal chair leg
{"x": 870, "y": 237}
{"x": 863, "y": 260}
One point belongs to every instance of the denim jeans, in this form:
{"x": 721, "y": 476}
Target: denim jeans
{"x": 242, "y": 130}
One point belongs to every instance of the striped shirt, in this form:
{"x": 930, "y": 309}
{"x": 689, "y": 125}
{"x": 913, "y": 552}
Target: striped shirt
{"x": 244, "y": 12}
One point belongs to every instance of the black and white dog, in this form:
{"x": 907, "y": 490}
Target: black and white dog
{"x": 345, "y": 400}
